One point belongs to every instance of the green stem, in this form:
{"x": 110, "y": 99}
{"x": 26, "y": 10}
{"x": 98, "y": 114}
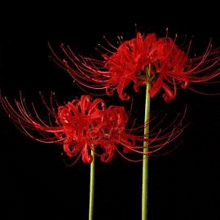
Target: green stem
{"x": 145, "y": 156}
{"x": 92, "y": 186}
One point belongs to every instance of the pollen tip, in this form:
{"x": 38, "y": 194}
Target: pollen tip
{"x": 64, "y": 61}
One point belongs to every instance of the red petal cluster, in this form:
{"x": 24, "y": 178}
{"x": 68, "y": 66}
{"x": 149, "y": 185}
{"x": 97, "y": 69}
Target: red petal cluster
{"x": 170, "y": 66}
{"x": 83, "y": 125}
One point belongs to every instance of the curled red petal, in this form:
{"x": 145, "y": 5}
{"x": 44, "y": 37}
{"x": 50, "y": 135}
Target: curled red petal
{"x": 170, "y": 65}
{"x": 83, "y": 125}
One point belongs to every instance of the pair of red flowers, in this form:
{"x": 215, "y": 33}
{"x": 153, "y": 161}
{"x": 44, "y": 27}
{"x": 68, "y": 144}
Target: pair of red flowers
{"x": 85, "y": 124}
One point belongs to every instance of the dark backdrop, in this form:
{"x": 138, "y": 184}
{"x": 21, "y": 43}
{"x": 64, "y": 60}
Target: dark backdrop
{"x": 35, "y": 182}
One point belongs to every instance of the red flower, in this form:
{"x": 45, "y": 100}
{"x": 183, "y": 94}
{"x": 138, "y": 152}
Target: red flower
{"x": 83, "y": 125}
{"x": 170, "y": 66}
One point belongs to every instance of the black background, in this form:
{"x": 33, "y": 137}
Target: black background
{"x": 35, "y": 182}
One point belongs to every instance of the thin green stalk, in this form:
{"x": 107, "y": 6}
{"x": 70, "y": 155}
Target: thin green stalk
{"x": 92, "y": 186}
{"x": 145, "y": 156}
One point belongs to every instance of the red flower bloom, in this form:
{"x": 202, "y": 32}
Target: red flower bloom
{"x": 83, "y": 125}
{"x": 170, "y": 66}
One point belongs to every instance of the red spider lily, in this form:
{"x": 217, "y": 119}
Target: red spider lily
{"x": 83, "y": 125}
{"x": 170, "y": 66}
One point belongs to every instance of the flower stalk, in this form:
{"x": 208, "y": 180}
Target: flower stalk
{"x": 92, "y": 186}
{"x": 145, "y": 144}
